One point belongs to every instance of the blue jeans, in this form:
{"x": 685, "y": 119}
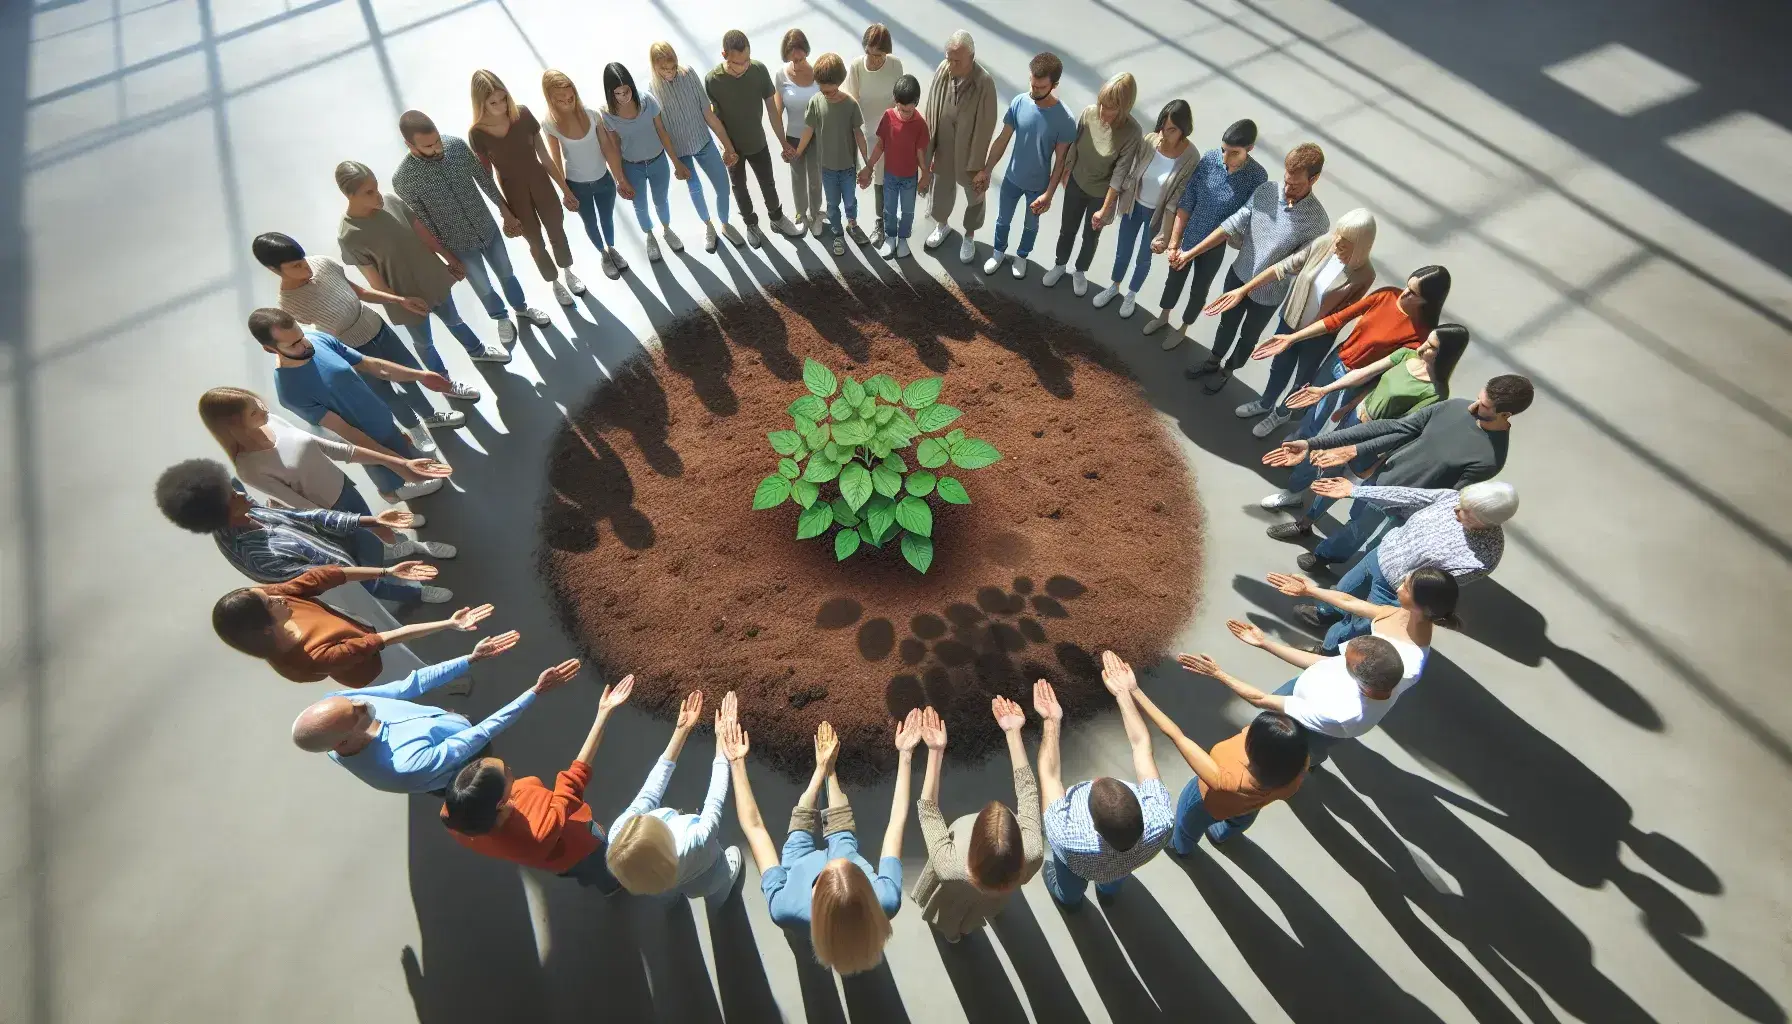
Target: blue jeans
{"x": 1193, "y": 818}
{"x": 709, "y": 161}
{"x": 1303, "y": 475}
{"x": 407, "y": 401}
{"x": 597, "y": 208}
{"x": 1029, "y": 229}
{"x": 1134, "y": 234}
{"x": 350, "y": 500}
{"x": 656, "y": 173}
{"x": 368, "y": 550}
{"x": 840, "y": 188}
{"x": 899, "y": 204}
{"x": 1365, "y": 519}
{"x": 1294, "y": 366}
{"x": 1319, "y": 745}
{"x": 1365, "y": 581}
{"x": 1314, "y": 421}
{"x": 383, "y": 478}
{"x": 1068, "y": 887}
{"x": 426, "y": 344}
{"x": 498, "y": 258}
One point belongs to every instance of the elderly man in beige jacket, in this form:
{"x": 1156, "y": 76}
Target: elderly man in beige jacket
{"x": 961, "y": 115}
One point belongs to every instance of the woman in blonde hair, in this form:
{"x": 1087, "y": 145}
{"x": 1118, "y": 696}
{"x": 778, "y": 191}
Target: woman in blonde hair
{"x": 828, "y": 887}
{"x": 581, "y": 159}
{"x": 295, "y": 468}
{"x": 1104, "y": 157}
{"x": 689, "y": 118}
{"x": 507, "y": 138}
{"x": 976, "y": 863}
{"x": 655, "y": 850}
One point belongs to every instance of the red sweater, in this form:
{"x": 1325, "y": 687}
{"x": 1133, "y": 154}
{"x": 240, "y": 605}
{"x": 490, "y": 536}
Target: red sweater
{"x": 546, "y": 829}
{"x": 1384, "y": 329}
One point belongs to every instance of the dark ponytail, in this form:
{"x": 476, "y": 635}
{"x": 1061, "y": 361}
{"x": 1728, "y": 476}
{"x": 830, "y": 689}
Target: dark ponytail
{"x": 1434, "y": 593}
{"x": 1452, "y": 341}
{"x": 1434, "y": 288}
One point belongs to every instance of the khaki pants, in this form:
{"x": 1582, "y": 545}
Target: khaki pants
{"x": 950, "y": 178}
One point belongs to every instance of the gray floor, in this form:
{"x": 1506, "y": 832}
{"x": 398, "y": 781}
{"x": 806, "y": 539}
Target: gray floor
{"x": 1580, "y": 815}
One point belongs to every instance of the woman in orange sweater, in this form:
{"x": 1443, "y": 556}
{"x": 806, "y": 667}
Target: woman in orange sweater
{"x": 306, "y": 640}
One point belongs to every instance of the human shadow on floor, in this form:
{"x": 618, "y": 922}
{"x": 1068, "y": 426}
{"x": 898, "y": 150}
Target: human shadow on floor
{"x": 690, "y": 340}
{"x": 977, "y": 976}
{"x": 747, "y": 317}
{"x": 1042, "y": 978}
{"x": 1171, "y": 977}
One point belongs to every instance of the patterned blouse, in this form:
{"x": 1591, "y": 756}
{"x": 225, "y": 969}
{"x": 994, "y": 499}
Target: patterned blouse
{"x": 682, "y": 106}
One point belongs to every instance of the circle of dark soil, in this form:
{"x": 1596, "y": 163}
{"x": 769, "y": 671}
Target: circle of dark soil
{"x": 1084, "y": 537}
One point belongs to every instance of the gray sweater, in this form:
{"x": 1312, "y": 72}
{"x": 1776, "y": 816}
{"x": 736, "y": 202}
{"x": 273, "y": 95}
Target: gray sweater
{"x": 1441, "y": 445}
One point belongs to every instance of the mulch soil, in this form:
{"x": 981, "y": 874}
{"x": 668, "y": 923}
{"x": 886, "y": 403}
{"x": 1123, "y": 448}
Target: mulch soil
{"x": 1084, "y": 537}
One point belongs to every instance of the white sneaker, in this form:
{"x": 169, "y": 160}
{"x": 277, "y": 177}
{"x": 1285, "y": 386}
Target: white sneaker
{"x": 653, "y": 249}
{"x": 1249, "y": 409}
{"x": 608, "y": 263}
{"x": 435, "y": 595}
{"x": 902, "y": 248}
{"x": 733, "y": 236}
{"x": 1269, "y": 423}
{"x": 573, "y": 282}
{"x": 1078, "y": 283}
{"x": 408, "y": 548}
{"x": 672, "y": 239}
{"x": 1053, "y": 275}
{"x": 533, "y": 315}
{"x": 461, "y": 390}
{"x": 1018, "y": 267}
{"x": 490, "y": 354}
{"x": 1176, "y": 337}
{"x": 994, "y": 263}
{"x": 1153, "y": 325}
{"x": 418, "y": 489}
{"x": 709, "y": 236}
{"x": 940, "y": 231}
{"x": 755, "y": 237}
{"x": 1283, "y": 499}
{"x": 506, "y": 333}
{"x": 887, "y": 249}
{"x": 616, "y": 258}
{"x": 967, "y": 250}
{"x": 1106, "y": 295}
{"x": 561, "y": 295}
{"x": 1128, "y": 304}
{"x": 786, "y": 226}
{"x": 419, "y": 437}
{"x": 448, "y": 418}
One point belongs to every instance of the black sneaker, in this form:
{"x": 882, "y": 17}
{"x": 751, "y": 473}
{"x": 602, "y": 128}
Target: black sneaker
{"x": 1197, "y": 372}
{"x": 1296, "y": 530}
{"x": 1313, "y": 563}
{"x": 1218, "y": 383}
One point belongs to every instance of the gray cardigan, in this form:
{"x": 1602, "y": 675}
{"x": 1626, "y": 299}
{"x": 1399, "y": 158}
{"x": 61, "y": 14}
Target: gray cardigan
{"x": 944, "y": 891}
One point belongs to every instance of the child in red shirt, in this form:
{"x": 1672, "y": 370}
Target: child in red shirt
{"x": 902, "y": 143}
{"x": 522, "y": 821}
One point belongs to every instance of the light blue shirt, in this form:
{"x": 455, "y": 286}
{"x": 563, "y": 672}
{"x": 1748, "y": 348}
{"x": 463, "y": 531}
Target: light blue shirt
{"x": 419, "y": 747}
{"x": 789, "y": 885}
{"x": 1037, "y": 133}
{"x": 695, "y": 835}
{"x": 1070, "y": 831}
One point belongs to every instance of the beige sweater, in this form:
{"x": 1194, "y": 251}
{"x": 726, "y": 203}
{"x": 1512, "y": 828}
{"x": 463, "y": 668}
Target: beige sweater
{"x": 1164, "y": 217}
{"x": 949, "y": 901}
{"x": 974, "y": 118}
{"x": 1304, "y": 264}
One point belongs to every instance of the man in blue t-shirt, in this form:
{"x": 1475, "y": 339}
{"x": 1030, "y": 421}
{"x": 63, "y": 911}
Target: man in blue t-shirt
{"x": 1042, "y": 131}
{"x": 319, "y": 379}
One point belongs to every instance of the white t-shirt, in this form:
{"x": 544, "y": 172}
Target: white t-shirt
{"x": 1328, "y": 277}
{"x": 796, "y": 101}
{"x": 300, "y": 471}
{"x": 1151, "y": 187}
{"x": 584, "y": 158}
{"x": 1327, "y": 700}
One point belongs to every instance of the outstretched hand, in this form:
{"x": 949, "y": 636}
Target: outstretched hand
{"x": 933, "y": 729}
{"x": 468, "y": 619}
{"x": 827, "y": 746}
{"x": 552, "y": 679}
{"x": 730, "y": 737}
{"x": 616, "y": 695}
{"x": 1045, "y": 702}
{"x": 1273, "y": 346}
{"x": 1290, "y": 584}
{"x": 1226, "y": 301}
{"x": 1288, "y": 453}
{"x": 690, "y": 712}
{"x": 413, "y": 570}
{"x": 1331, "y": 458}
{"x": 395, "y": 519}
{"x": 1308, "y": 395}
{"x": 1009, "y": 716}
{"x": 1333, "y": 487}
{"x": 1199, "y": 664}
{"x": 1117, "y": 675}
{"x": 909, "y": 732}
{"x": 1245, "y": 631}
{"x": 492, "y": 646}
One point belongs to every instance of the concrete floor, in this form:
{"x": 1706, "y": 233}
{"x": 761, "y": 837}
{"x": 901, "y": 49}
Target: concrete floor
{"x": 1580, "y": 815}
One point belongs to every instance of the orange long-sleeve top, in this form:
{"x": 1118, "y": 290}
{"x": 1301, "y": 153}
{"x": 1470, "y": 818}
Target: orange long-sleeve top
{"x": 1384, "y": 328}
{"x": 332, "y": 645}
{"x": 546, "y": 829}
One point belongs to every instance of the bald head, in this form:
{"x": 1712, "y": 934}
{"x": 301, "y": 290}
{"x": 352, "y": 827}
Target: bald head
{"x": 324, "y": 725}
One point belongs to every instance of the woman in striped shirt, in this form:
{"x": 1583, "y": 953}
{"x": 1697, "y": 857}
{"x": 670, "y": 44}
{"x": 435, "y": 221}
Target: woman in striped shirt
{"x": 688, "y": 117}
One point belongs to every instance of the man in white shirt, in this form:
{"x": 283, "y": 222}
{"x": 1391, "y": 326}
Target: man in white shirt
{"x": 1337, "y": 698}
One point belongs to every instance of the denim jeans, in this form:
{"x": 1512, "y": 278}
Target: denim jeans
{"x": 1304, "y": 474}
{"x": 899, "y": 204}
{"x": 1365, "y": 519}
{"x": 1029, "y": 228}
{"x": 1134, "y": 233}
{"x": 384, "y": 479}
{"x": 1330, "y": 369}
{"x": 425, "y": 342}
{"x": 1193, "y": 819}
{"x": 350, "y": 500}
{"x": 368, "y": 550}
{"x": 657, "y": 174}
{"x": 498, "y": 258}
{"x": 1319, "y": 745}
{"x": 1240, "y": 326}
{"x": 840, "y": 188}
{"x": 407, "y": 401}
{"x": 709, "y": 161}
{"x": 1364, "y": 581}
{"x": 1293, "y": 367}
{"x": 597, "y": 208}
{"x": 1068, "y": 887}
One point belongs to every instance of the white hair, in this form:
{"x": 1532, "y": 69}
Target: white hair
{"x": 1358, "y": 226}
{"x": 962, "y": 39}
{"x": 1491, "y": 502}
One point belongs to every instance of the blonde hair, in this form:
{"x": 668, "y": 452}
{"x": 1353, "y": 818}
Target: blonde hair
{"x": 221, "y": 409}
{"x": 484, "y": 84}
{"x": 643, "y": 856}
{"x": 551, "y": 80}
{"x": 1359, "y": 227}
{"x": 847, "y": 925}
{"x": 661, "y": 53}
{"x": 1120, "y": 92}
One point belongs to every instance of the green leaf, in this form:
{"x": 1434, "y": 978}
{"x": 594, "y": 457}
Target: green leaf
{"x": 954, "y": 437}
{"x": 883, "y": 414}
{"x": 915, "y": 516}
{"x": 855, "y": 485}
{"x": 895, "y": 462}
{"x": 817, "y": 439}
{"x": 819, "y": 380}
{"x": 869, "y": 535}
{"x": 843, "y": 513}
{"x": 879, "y": 448}
{"x": 887, "y": 481}
{"x": 971, "y": 453}
{"x": 931, "y": 453}
{"x": 922, "y": 393}
{"x": 920, "y": 483}
{"x": 805, "y": 425}
{"x": 853, "y": 432}
{"x": 785, "y": 442}
{"x": 821, "y": 470}
{"x": 814, "y": 521}
{"x": 852, "y": 391}
{"x": 936, "y": 417}
{"x": 918, "y": 551}
{"x": 841, "y": 409}
{"x": 868, "y": 408}
{"x": 788, "y": 469}
{"x": 845, "y": 543}
{"x": 880, "y": 512}
{"x": 885, "y": 387}
{"x": 771, "y": 492}
{"x": 804, "y": 493}
{"x": 831, "y": 452}
{"x": 809, "y": 407}
{"x": 952, "y": 491}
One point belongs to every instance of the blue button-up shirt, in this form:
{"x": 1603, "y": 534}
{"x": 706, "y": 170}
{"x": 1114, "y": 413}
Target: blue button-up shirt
{"x": 286, "y": 542}
{"x": 1070, "y": 831}
{"x": 1269, "y": 230}
{"x": 419, "y": 747}
{"x": 1214, "y": 193}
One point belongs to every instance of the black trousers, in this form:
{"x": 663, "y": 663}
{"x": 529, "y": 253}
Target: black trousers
{"x": 761, "y": 162}
{"x": 1203, "y": 268}
{"x": 1078, "y": 205}
{"x": 1242, "y": 323}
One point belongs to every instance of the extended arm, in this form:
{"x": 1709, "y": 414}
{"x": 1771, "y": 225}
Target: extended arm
{"x": 1378, "y": 437}
{"x": 385, "y": 369}
{"x": 899, "y": 801}
{"x": 1144, "y": 761}
{"x": 1360, "y": 375}
{"x": 998, "y": 147}
{"x": 1248, "y": 693}
{"x": 353, "y": 435}
{"x": 711, "y": 816}
{"x": 653, "y": 791}
{"x": 1197, "y": 759}
{"x": 422, "y": 680}
{"x": 468, "y": 741}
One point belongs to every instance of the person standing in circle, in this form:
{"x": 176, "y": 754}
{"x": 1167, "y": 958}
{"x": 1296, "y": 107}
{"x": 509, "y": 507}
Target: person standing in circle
{"x": 738, "y": 88}
{"x": 871, "y": 82}
{"x": 686, "y": 114}
{"x": 638, "y": 139}
{"x": 507, "y": 138}
{"x": 1162, "y": 173}
{"x": 902, "y": 145}
{"x": 1223, "y": 181}
{"x": 576, "y": 147}
{"x": 796, "y": 86}
{"x": 961, "y": 114}
{"x": 1042, "y": 131}
{"x": 1107, "y": 148}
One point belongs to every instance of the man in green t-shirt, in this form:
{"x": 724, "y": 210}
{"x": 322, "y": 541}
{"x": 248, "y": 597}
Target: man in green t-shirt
{"x": 738, "y": 89}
